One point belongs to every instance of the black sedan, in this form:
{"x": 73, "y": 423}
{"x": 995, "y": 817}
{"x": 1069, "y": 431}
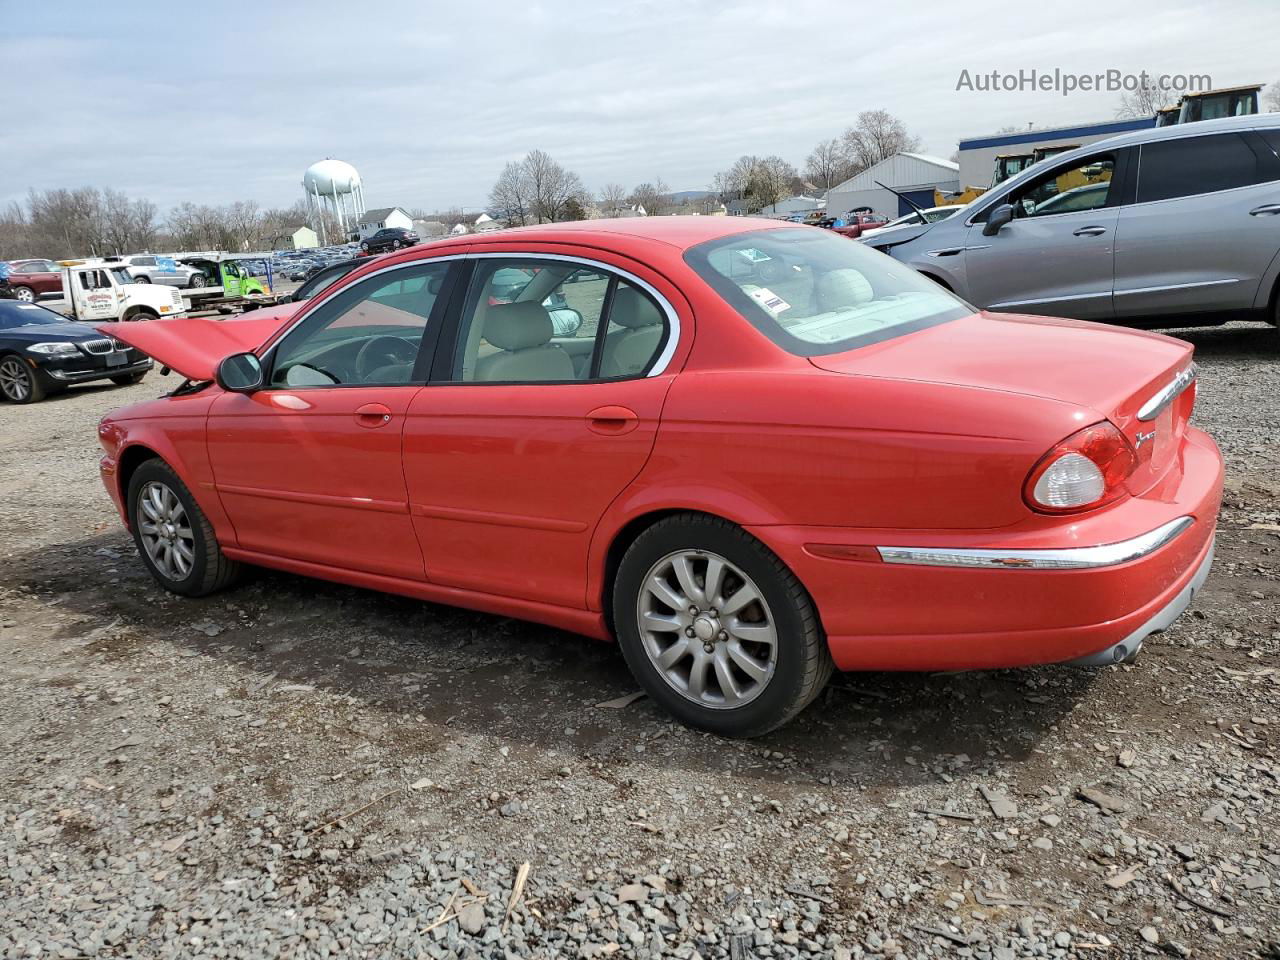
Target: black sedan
{"x": 321, "y": 278}
{"x": 389, "y": 238}
{"x": 41, "y": 352}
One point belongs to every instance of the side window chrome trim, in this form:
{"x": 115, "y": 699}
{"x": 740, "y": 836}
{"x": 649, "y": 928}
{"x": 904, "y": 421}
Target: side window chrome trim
{"x": 673, "y": 320}
{"x": 313, "y": 306}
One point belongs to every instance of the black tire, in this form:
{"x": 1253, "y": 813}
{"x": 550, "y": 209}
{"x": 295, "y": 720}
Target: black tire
{"x": 395, "y": 244}
{"x": 128, "y": 379}
{"x": 139, "y": 313}
{"x": 18, "y": 382}
{"x": 803, "y": 664}
{"x": 25, "y": 294}
{"x": 196, "y": 281}
{"x": 142, "y": 278}
{"x": 364, "y": 247}
{"x": 210, "y": 569}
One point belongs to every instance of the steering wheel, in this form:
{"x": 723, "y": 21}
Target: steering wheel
{"x": 382, "y": 351}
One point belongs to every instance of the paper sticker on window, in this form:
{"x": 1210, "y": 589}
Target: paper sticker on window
{"x": 769, "y": 300}
{"x": 754, "y": 255}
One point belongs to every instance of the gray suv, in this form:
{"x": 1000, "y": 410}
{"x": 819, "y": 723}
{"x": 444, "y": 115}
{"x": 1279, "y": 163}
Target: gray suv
{"x": 1170, "y": 226}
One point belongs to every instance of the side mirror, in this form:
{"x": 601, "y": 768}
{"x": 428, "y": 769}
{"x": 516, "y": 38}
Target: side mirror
{"x": 240, "y": 373}
{"x": 997, "y": 218}
{"x": 565, "y": 322}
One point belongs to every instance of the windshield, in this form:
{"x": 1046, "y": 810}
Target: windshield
{"x": 122, "y": 275}
{"x": 14, "y": 313}
{"x": 813, "y": 292}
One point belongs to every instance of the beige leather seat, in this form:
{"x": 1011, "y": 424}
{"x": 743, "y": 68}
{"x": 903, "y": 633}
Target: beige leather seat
{"x": 628, "y": 351}
{"x": 522, "y": 334}
{"x": 843, "y": 288}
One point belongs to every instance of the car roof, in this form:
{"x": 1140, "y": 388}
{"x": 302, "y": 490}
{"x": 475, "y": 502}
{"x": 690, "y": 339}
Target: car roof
{"x": 1199, "y": 128}
{"x": 681, "y": 232}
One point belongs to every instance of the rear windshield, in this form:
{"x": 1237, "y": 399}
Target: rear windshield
{"x": 814, "y": 292}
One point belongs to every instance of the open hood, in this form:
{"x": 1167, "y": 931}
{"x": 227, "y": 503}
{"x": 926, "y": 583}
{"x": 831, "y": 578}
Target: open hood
{"x": 194, "y": 346}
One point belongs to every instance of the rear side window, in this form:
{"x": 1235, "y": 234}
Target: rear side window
{"x": 1195, "y": 165}
{"x": 813, "y": 292}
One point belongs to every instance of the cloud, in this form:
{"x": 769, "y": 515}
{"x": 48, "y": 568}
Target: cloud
{"x": 213, "y": 103}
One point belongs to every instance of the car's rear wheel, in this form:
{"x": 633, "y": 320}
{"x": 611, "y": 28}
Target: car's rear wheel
{"x": 716, "y": 628}
{"x": 127, "y": 379}
{"x": 18, "y": 382}
{"x": 173, "y": 535}
{"x": 25, "y": 294}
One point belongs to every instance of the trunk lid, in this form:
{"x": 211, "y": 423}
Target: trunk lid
{"x": 194, "y": 346}
{"x": 1112, "y": 371}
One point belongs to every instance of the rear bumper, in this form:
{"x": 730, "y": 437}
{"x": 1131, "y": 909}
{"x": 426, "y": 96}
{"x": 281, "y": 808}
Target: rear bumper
{"x": 1123, "y": 582}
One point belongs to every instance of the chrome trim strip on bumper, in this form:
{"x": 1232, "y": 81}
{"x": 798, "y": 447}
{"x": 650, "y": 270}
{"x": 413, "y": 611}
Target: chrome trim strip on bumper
{"x": 1065, "y": 558}
{"x": 1128, "y": 648}
{"x": 1168, "y": 393}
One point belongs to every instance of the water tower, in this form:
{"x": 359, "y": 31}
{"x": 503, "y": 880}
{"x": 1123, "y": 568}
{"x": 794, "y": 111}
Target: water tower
{"x": 333, "y": 187}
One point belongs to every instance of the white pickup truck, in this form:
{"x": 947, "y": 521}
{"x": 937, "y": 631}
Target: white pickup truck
{"x": 104, "y": 291}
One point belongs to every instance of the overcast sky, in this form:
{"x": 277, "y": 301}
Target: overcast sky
{"x": 213, "y": 102}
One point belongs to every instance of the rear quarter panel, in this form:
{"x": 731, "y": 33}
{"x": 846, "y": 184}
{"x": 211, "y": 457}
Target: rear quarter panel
{"x": 777, "y": 447}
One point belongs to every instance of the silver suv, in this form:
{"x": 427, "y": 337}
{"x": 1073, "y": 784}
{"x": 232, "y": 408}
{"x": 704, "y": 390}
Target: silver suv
{"x": 145, "y": 268}
{"x": 1171, "y": 226}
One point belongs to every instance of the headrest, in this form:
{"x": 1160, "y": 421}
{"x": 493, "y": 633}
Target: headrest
{"x": 846, "y": 287}
{"x": 518, "y": 326}
{"x": 631, "y": 308}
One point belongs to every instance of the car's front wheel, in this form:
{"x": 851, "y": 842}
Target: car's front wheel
{"x": 715, "y": 627}
{"x": 19, "y": 383}
{"x": 196, "y": 281}
{"x": 173, "y": 535}
{"x": 142, "y": 278}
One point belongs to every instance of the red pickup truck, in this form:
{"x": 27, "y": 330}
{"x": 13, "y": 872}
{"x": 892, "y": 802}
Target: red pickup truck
{"x": 32, "y": 279}
{"x": 855, "y": 224}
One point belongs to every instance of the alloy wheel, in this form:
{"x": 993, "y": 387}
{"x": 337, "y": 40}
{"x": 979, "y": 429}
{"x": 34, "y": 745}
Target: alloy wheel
{"x": 13, "y": 379}
{"x": 25, "y": 294}
{"x": 166, "y": 531}
{"x": 707, "y": 629}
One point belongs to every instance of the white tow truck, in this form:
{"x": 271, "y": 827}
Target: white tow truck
{"x": 104, "y": 291}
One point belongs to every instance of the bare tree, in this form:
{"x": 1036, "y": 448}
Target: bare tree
{"x": 613, "y": 196}
{"x": 537, "y": 189}
{"x": 1272, "y": 98}
{"x": 551, "y": 186}
{"x": 14, "y": 232}
{"x": 875, "y": 136}
{"x": 1141, "y": 102}
{"x": 655, "y": 197}
{"x": 774, "y": 181}
{"x": 828, "y": 164}
{"x": 509, "y": 196}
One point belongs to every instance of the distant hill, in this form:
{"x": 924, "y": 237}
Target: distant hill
{"x": 680, "y": 196}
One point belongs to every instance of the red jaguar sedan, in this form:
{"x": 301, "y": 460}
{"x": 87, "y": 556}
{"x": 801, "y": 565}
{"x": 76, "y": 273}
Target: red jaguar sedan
{"x": 752, "y": 453}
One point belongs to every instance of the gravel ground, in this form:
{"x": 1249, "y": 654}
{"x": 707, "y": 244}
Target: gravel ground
{"x": 298, "y": 769}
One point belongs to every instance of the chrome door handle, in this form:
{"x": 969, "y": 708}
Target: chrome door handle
{"x": 1267, "y": 209}
{"x": 1089, "y": 231}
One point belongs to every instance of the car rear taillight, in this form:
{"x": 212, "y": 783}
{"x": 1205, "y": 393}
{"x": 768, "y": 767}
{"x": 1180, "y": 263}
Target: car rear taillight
{"x": 1085, "y": 470}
